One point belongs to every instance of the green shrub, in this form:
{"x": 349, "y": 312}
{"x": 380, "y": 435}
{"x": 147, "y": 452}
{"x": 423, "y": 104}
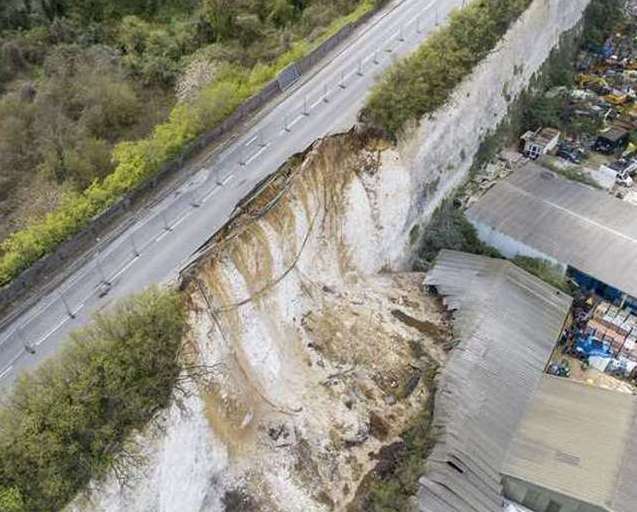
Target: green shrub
{"x": 137, "y": 161}
{"x": 11, "y": 500}
{"x": 544, "y": 270}
{"x": 450, "y": 229}
{"x": 67, "y": 422}
{"x": 424, "y": 81}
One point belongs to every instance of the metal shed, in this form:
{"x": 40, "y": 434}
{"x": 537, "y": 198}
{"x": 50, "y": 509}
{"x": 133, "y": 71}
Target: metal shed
{"x": 575, "y": 450}
{"x": 506, "y": 323}
{"x": 535, "y": 212}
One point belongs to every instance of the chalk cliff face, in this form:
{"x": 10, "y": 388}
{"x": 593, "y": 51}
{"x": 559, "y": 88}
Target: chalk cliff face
{"x": 309, "y": 353}
{"x": 442, "y": 149}
{"x": 308, "y": 339}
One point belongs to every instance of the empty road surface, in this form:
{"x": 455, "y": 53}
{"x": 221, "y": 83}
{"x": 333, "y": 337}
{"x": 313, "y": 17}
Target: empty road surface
{"x": 155, "y": 247}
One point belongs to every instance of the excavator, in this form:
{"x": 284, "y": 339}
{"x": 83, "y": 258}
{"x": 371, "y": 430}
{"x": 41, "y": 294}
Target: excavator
{"x": 594, "y": 82}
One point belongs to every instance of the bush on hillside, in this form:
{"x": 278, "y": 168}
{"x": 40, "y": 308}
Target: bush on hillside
{"x": 450, "y": 229}
{"x": 66, "y": 422}
{"x": 423, "y": 82}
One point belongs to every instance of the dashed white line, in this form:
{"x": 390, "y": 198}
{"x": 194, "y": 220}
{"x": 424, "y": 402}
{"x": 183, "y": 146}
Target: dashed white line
{"x": 46, "y": 336}
{"x": 126, "y": 267}
{"x": 210, "y": 194}
{"x": 6, "y": 371}
{"x": 183, "y": 218}
{"x": 256, "y": 155}
{"x": 401, "y": 34}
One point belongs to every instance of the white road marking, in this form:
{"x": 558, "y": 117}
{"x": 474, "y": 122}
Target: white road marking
{"x": 48, "y": 334}
{"x": 113, "y": 245}
{"x": 256, "y": 155}
{"x": 210, "y": 194}
{"x": 126, "y": 267}
{"x": 183, "y": 218}
{"x": 6, "y": 372}
{"x": 228, "y": 178}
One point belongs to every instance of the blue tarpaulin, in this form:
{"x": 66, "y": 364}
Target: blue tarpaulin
{"x": 588, "y": 346}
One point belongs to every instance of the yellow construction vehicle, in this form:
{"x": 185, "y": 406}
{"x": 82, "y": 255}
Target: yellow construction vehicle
{"x": 591, "y": 81}
{"x": 617, "y": 99}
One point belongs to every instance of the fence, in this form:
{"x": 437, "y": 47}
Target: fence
{"x": 42, "y": 269}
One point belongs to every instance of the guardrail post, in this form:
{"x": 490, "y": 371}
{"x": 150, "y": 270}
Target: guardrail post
{"x": 326, "y": 99}
{"x": 401, "y": 35}
{"x": 306, "y": 110}
{"x": 165, "y": 220}
{"x": 359, "y": 71}
{"x": 286, "y": 126}
{"x": 242, "y": 155}
{"x": 100, "y": 269}
{"x": 136, "y": 252}
{"x": 66, "y": 305}
{"x": 341, "y": 82}
{"x": 376, "y": 61}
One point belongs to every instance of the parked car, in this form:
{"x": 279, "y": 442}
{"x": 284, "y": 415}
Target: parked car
{"x": 570, "y": 153}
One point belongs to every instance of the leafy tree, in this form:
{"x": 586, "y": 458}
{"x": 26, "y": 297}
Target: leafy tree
{"x": 11, "y": 500}
{"x": 545, "y": 111}
{"x": 53, "y": 8}
{"x": 15, "y": 14}
{"x": 450, "y": 229}
{"x": 93, "y": 71}
{"x": 221, "y": 16}
{"x": 282, "y": 12}
{"x": 65, "y": 423}
{"x": 600, "y": 18}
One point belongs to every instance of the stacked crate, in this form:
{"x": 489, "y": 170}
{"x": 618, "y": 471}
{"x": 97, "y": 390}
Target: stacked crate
{"x": 616, "y": 326}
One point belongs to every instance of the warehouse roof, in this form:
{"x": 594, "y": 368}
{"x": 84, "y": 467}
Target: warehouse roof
{"x": 568, "y": 221}
{"x": 579, "y": 441}
{"x": 506, "y": 323}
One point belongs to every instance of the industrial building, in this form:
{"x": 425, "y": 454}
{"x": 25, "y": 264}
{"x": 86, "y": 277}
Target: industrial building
{"x": 575, "y": 450}
{"x": 509, "y": 436}
{"x": 591, "y": 235}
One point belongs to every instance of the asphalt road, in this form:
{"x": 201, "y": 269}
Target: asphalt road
{"x": 157, "y": 245}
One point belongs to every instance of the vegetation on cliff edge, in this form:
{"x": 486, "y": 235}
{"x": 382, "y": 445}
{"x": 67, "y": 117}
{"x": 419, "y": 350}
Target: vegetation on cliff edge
{"x": 68, "y": 421}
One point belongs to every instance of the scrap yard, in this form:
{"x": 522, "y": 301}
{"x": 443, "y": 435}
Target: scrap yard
{"x": 586, "y": 129}
{"x": 564, "y": 195}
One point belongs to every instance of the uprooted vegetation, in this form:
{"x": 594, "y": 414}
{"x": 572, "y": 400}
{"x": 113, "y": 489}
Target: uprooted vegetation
{"x": 393, "y": 482}
{"x": 69, "y": 421}
{"x": 97, "y": 98}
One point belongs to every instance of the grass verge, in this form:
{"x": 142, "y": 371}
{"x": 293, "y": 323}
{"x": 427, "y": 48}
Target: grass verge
{"x": 424, "y": 81}
{"x": 139, "y": 160}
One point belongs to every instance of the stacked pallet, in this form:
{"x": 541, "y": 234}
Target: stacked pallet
{"x": 616, "y": 326}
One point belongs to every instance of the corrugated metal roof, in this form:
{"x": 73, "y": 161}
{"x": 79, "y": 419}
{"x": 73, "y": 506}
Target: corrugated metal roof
{"x": 575, "y": 224}
{"x": 506, "y": 322}
{"x": 578, "y": 440}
